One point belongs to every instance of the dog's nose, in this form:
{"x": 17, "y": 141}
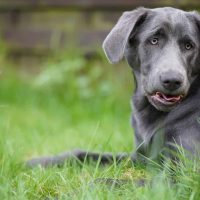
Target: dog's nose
{"x": 171, "y": 80}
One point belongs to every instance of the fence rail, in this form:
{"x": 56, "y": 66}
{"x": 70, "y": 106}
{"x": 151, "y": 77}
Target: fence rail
{"x": 92, "y": 4}
{"x": 43, "y": 26}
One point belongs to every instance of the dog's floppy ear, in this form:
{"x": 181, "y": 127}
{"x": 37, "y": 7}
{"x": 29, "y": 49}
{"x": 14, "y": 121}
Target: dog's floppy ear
{"x": 196, "y": 20}
{"x": 115, "y": 43}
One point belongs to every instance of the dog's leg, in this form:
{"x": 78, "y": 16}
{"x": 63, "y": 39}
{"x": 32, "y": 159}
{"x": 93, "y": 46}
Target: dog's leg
{"x": 59, "y": 160}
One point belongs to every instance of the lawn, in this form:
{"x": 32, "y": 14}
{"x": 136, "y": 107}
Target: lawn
{"x": 77, "y": 103}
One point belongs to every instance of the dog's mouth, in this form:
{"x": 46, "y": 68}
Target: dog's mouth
{"x": 165, "y": 99}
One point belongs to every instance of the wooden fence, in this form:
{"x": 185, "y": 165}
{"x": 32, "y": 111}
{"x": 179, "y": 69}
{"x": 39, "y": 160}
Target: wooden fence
{"x": 39, "y": 27}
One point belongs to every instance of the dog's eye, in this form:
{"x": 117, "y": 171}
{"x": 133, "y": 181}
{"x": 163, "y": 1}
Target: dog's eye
{"x": 188, "y": 46}
{"x": 154, "y": 41}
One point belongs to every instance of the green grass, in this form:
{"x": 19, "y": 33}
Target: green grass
{"x": 74, "y": 103}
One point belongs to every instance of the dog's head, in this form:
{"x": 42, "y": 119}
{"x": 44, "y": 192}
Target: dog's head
{"x": 163, "y": 47}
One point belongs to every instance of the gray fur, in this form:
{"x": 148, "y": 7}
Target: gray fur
{"x": 161, "y": 127}
{"x": 167, "y": 67}
{"x": 115, "y": 43}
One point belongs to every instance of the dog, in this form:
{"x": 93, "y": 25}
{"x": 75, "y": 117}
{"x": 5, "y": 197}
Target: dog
{"x": 162, "y": 46}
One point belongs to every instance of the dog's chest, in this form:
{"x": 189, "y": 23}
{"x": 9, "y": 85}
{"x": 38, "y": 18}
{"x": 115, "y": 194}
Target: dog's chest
{"x": 149, "y": 132}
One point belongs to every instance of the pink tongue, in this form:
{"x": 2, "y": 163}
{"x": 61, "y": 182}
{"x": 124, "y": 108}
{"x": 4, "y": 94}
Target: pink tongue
{"x": 171, "y": 98}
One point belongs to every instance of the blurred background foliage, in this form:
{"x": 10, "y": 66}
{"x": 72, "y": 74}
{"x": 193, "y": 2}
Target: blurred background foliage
{"x": 67, "y": 97}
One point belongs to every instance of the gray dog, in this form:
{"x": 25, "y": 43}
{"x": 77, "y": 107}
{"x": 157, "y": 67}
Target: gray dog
{"x": 162, "y": 46}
